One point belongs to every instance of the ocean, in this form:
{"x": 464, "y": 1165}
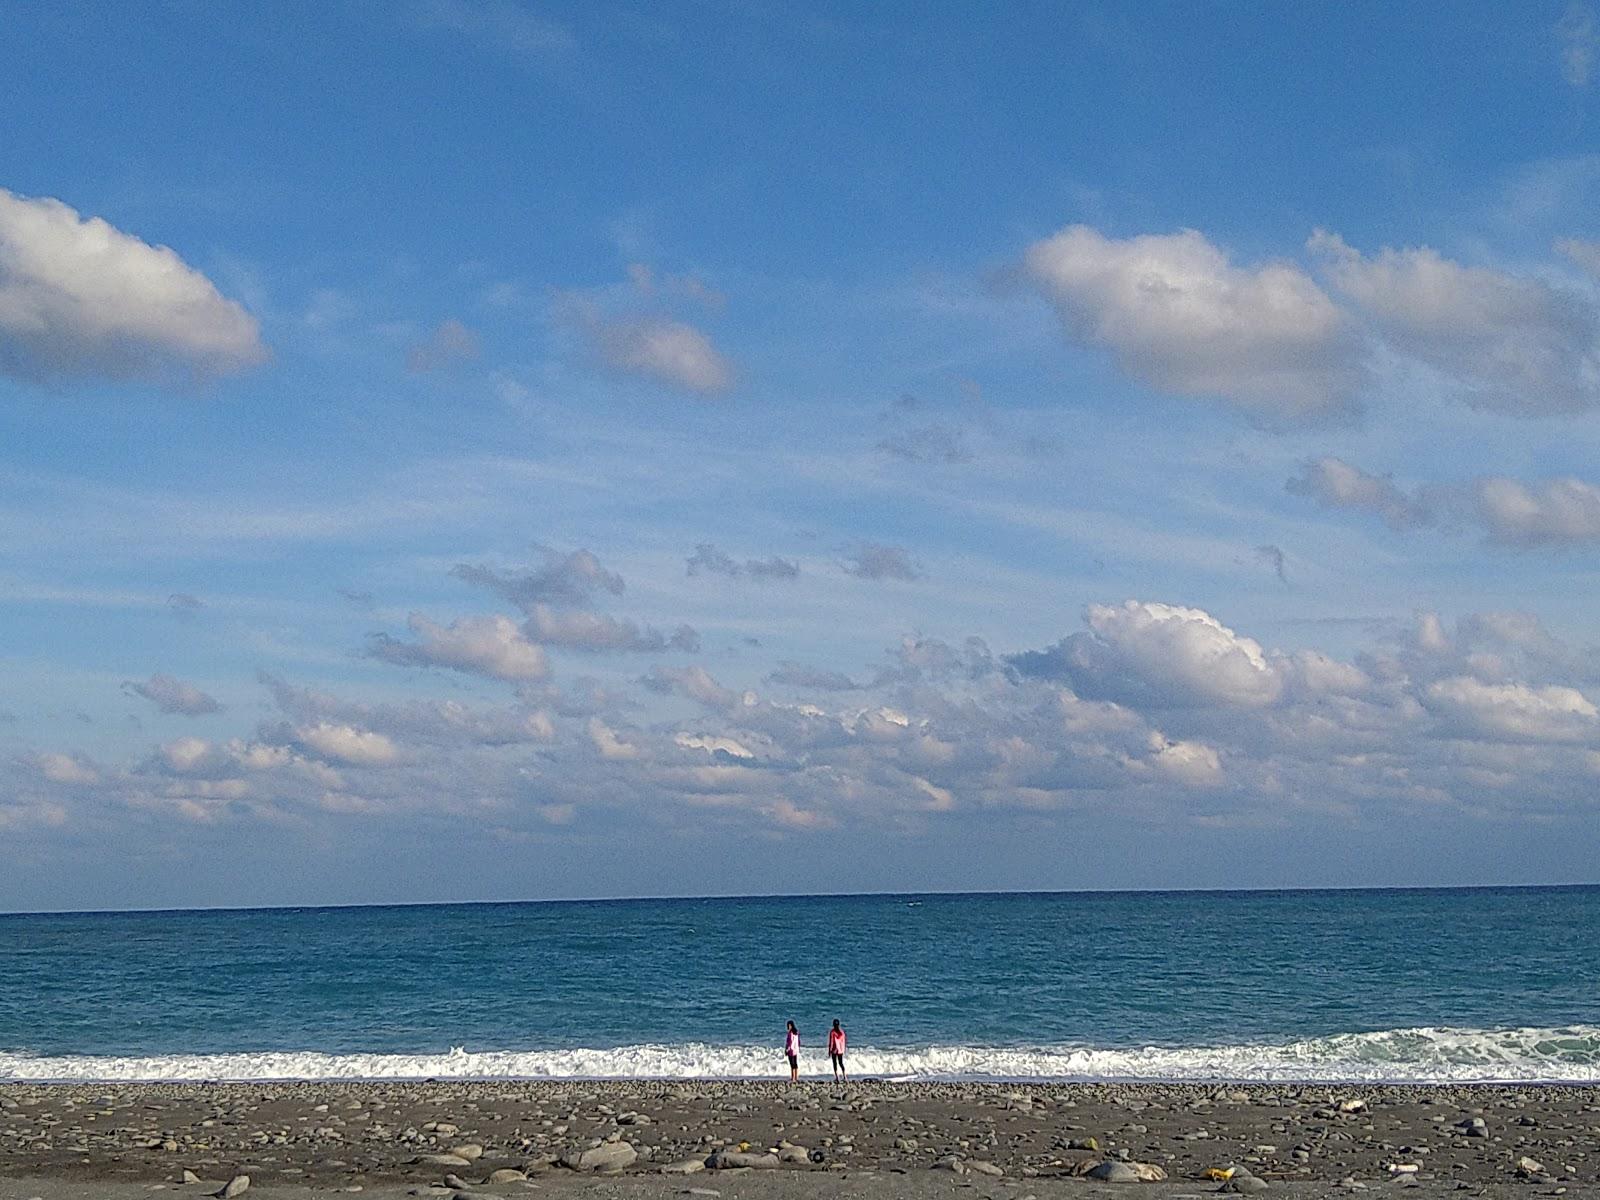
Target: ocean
{"x": 1394, "y": 985}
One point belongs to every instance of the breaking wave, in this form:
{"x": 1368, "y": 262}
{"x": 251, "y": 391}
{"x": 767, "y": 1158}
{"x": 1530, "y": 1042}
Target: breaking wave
{"x": 1424, "y": 1055}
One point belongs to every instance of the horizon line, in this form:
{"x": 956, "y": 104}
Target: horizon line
{"x": 735, "y": 896}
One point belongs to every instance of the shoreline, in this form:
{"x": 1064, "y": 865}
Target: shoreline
{"x": 390, "y": 1134}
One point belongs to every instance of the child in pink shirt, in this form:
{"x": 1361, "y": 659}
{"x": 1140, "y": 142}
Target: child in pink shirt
{"x": 836, "y": 1051}
{"x": 791, "y": 1047}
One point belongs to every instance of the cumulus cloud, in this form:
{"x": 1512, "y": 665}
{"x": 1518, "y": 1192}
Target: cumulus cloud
{"x": 814, "y": 678}
{"x": 693, "y": 682}
{"x": 66, "y": 769}
{"x": 1556, "y": 512}
{"x": 667, "y": 351}
{"x": 563, "y": 579}
{"x": 608, "y": 743}
{"x": 1512, "y": 344}
{"x": 1515, "y": 711}
{"x": 173, "y": 696}
{"x": 1159, "y": 655}
{"x": 1192, "y": 764}
{"x": 873, "y": 560}
{"x": 346, "y": 744}
{"x": 79, "y": 297}
{"x": 490, "y": 645}
{"x": 450, "y": 344}
{"x": 1512, "y": 513}
{"x": 707, "y": 559}
{"x": 1179, "y": 316}
{"x": 594, "y": 632}
{"x": 1336, "y": 484}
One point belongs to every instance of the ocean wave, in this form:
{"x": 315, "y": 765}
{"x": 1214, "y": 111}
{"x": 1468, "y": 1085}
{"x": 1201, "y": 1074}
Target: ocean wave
{"x": 1424, "y": 1055}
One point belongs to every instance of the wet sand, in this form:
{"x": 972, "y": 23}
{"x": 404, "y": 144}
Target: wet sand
{"x": 889, "y": 1140}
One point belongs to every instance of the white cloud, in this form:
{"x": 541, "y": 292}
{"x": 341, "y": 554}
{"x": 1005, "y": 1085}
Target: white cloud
{"x": 346, "y": 744}
{"x": 81, "y": 298}
{"x": 1516, "y": 711}
{"x": 489, "y": 645}
{"x": 1336, "y": 484}
{"x": 713, "y": 744}
{"x": 1159, "y": 655}
{"x": 66, "y": 769}
{"x": 1559, "y": 511}
{"x": 1512, "y": 344}
{"x": 607, "y": 742}
{"x": 185, "y": 754}
{"x": 1179, "y": 316}
{"x": 1193, "y": 764}
{"x": 174, "y": 696}
{"x": 668, "y": 351}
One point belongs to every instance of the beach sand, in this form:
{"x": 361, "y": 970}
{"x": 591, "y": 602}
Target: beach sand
{"x": 879, "y": 1139}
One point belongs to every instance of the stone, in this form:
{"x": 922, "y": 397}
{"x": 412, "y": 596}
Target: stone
{"x": 724, "y": 1160}
{"x": 506, "y": 1175}
{"x": 190, "y": 1177}
{"x": 980, "y": 1167}
{"x": 1113, "y": 1172}
{"x": 236, "y": 1186}
{"x": 608, "y": 1156}
{"x": 1529, "y": 1166}
{"x": 471, "y": 1151}
{"x": 952, "y": 1163}
{"x": 687, "y": 1166}
{"x": 443, "y": 1160}
{"x": 1245, "y": 1184}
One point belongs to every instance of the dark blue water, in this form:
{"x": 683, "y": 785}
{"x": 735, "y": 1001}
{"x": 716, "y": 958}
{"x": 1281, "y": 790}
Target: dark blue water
{"x": 1462, "y": 983}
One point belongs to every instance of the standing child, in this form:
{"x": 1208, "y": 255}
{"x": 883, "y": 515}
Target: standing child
{"x": 791, "y": 1047}
{"x": 836, "y": 1051}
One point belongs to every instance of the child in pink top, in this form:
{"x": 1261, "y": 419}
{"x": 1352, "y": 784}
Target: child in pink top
{"x": 791, "y": 1047}
{"x": 836, "y": 1051}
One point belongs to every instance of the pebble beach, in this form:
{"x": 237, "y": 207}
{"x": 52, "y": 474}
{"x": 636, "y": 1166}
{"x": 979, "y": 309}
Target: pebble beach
{"x": 645, "y": 1139}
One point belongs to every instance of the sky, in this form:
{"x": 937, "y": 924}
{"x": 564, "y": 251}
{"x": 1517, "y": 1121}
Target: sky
{"x": 486, "y": 449}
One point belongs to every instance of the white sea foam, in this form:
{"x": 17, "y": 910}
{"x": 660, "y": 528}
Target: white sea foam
{"x": 1400, "y": 1055}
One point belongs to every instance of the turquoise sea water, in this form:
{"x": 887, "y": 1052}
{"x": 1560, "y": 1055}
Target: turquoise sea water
{"x": 1393, "y": 984}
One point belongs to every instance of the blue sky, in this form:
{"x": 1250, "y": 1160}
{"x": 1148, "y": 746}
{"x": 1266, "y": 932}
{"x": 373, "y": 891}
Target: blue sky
{"x": 457, "y": 450}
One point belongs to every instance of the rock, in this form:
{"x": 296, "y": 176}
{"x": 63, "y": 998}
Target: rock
{"x": 1473, "y": 1127}
{"x": 456, "y": 1182}
{"x": 1087, "y": 1143}
{"x": 1113, "y": 1172}
{"x": 190, "y": 1177}
{"x": 608, "y": 1156}
{"x": 724, "y": 1160}
{"x": 472, "y": 1152}
{"x": 1529, "y": 1166}
{"x": 980, "y": 1167}
{"x": 441, "y": 1160}
{"x": 687, "y": 1166}
{"x": 506, "y": 1175}
{"x": 952, "y": 1163}
{"x": 1244, "y": 1184}
{"x": 236, "y": 1186}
